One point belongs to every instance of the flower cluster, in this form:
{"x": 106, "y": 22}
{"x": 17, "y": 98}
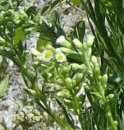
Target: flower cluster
{"x": 47, "y": 55}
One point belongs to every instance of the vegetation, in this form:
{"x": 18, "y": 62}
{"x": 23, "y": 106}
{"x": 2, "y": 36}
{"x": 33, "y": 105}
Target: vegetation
{"x": 78, "y": 83}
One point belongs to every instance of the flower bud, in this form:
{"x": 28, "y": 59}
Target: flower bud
{"x": 74, "y": 83}
{"x": 65, "y": 70}
{"x": 63, "y": 42}
{"x": 79, "y": 77}
{"x": 35, "y": 52}
{"x": 104, "y": 79}
{"x": 22, "y": 14}
{"x": 63, "y": 93}
{"x": 66, "y": 50}
{"x": 76, "y": 67}
{"x": 94, "y": 60}
{"x": 84, "y": 46}
{"x": 59, "y": 81}
{"x": 87, "y": 87}
{"x": 77, "y": 43}
{"x": 96, "y": 71}
{"x": 50, "y": 47}
{"x": 68, "y": 82}
{"x": 110, "y": 97}
{"x": 90, "y": 40}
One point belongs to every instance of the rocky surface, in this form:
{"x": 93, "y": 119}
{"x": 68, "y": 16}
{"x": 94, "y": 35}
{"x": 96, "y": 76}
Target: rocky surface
{"x": 69, "y": 16}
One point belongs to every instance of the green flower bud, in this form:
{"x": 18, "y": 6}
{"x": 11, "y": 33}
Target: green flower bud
{"x": 74, "y": 84}
{"x": 96, "y": 71}
{"x": 35, "y": 52}
{"x": 68, "y": 82}
{"x": 76, "y": 67}
{"x": 84, "y": 46}
{"x": 63, "y": 42}
{"x": 50, "y": 47}
{"x": 110, "y": 97}
{"x": 90, "y": 40}
{"x": 59, "y": 81}
{"x": 63, "y": 93}
{"x": 65, "y": 70}
{"x": 66, "y": 50}
{"x": 22, "y": 14}
{"x": 77, "y": 43}
{"x": 79, "y": 77}
{"x": 94, "y": 60}
{"x": 77, "y": 88}
{"x": 104, "y": 78}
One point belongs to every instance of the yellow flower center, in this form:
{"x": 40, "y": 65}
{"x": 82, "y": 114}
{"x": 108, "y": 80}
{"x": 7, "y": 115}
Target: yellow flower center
{"x": 60, "y": 57}
{"x": 48, "y": 54}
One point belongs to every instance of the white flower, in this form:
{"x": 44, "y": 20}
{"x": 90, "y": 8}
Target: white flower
{"x": 63, "y": 42}
{"x": 47, "y": 55}
{"x": 60, "y": 57}
{"x": 60, "y": 39}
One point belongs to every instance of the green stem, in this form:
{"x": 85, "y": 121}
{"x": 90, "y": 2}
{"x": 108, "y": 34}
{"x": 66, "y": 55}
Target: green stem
{"x": 51, "y": 113}
{"x": 77, "y": 109}
{"x": 110, "y": 118}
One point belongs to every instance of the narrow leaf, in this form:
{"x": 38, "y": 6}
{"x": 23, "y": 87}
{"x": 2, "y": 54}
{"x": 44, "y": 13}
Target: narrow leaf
{"x": 3, "y": 87}
{"x": 19, "y": 36}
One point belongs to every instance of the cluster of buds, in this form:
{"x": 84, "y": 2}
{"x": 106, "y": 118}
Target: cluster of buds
{"x": 90, "y": 66}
